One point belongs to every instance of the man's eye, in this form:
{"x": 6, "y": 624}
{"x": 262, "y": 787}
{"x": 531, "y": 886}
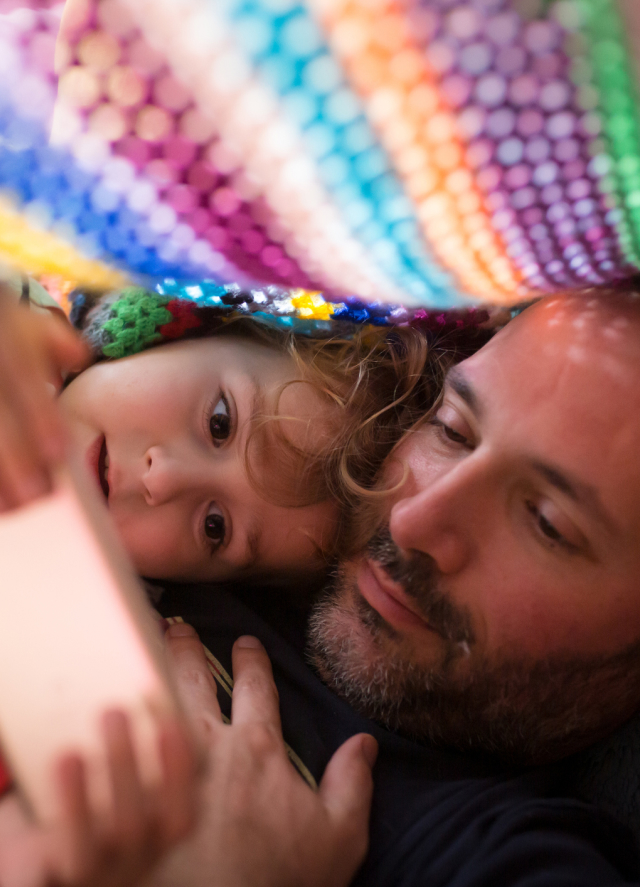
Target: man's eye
{"x": 451, "y": 434}
{"x": 455, "y": 436}
{"x": 220, "y": 421}
{"x": 546, "y": 527}
{"x": 214, "y": 525}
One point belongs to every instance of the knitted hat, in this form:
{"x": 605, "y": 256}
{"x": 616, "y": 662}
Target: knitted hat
{"x": 124, "y": 322}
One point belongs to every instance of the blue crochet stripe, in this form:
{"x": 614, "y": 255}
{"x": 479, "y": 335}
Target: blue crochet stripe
{"x": 290, "y": 53}
{"x": 50, "y": 188}
{"x": 270, "y": 304}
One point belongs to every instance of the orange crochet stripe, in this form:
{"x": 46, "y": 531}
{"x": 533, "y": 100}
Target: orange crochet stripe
{"x": 388, "y": 68}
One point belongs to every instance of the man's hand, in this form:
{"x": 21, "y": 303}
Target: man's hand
{"x": 261, "y": 825}
{"x": 34, "y": 350}
{"x": 118, "y": 847}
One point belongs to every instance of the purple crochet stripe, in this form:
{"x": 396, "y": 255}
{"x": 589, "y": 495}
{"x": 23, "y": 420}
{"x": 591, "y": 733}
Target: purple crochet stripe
{"x": 531, "y": 137}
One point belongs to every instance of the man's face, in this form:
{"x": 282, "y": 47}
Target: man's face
{"x": 506, "y": 590}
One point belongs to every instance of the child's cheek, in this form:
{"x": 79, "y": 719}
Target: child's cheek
{"x": 155, "y": 541}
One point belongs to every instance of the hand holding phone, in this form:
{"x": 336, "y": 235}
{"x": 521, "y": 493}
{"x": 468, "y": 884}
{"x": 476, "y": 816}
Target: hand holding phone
{"x": 77, "y": 638}
{"x": 116, "y": 848}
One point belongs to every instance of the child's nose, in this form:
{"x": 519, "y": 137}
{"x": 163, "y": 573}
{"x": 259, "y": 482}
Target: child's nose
{"x": 169, "y": 474}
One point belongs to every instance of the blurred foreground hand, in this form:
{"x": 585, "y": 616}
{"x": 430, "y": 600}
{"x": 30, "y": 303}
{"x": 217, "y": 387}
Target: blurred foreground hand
{"x": 117, "y": 848}
{"x": 36, "y": 348}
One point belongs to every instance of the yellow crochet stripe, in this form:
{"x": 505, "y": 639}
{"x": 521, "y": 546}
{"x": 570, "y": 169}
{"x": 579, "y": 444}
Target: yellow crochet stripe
{"x": 224, "y": 679}
{"x": 38, "y": 252}
{"x": 312, "y": 305}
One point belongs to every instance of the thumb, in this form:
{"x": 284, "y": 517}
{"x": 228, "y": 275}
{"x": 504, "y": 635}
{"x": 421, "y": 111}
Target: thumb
{"x": 66, "y": 349}
{"x": 347, "y": 787}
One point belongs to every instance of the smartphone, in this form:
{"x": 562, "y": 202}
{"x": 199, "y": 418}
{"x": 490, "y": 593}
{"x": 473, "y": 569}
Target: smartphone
{"x": 77, "y": 637}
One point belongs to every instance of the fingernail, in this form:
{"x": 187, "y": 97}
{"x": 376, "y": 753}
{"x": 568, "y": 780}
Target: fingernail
{"x": 369, "y": 749}
{"x": 249, "y": 641}
{"x": 180, "y": 630}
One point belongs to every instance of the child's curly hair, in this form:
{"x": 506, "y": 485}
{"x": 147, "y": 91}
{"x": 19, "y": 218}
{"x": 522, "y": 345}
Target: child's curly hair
{"x": 377, "y": 382}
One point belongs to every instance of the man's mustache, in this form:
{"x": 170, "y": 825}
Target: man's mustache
{"x": 419, "y": 577}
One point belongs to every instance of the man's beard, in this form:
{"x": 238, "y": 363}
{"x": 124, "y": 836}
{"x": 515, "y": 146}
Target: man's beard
{"x": 521, "y": 709}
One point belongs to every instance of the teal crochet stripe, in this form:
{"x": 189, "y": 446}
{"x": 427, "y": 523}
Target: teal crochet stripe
{"x": 291, "y": 54}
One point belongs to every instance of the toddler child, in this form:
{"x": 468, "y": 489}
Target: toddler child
{"x": 223, "y": 445}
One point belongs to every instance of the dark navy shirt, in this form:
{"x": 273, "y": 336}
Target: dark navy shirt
{"x": 439, "y": 819}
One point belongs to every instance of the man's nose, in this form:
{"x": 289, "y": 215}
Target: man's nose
{"x": 169, "y": 474}
{"x": 435, "y": 516}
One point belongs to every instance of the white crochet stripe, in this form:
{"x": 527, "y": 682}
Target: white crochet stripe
{"x": 119, "y": 180}
{"x": 198, "y": 44}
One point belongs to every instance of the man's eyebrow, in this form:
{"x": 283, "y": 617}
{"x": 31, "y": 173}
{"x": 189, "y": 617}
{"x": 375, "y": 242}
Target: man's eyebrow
{"x": 457, "y": 380}
{"x": 580, "y": 492}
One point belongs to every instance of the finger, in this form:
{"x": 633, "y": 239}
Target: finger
{"x": 128, "y": 820}
{"x": 23, "y": 473}
{"x": 347, "y": 788}
{"x": 196, "y": 686}
{"x": 25, "y": 862}
{"x": 255, "y": 696}
{"x": 66, "y": 348}
{"x": 51, "y": 348}
{"x": 73, "y": 847}
{"x": 36, "y": 418}
{"x": 24, "y": 372}
{"x": 177, "y": 798}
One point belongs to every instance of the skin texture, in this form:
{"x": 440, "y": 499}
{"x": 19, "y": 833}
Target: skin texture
{"x": 34, "y": 349}
{"x": 166, "y": 473}
{"x": 112, "y": 848}
{"x": 298, "y": 836}
{"x": 261, "y": 825}
{"x": 507, "y": 580}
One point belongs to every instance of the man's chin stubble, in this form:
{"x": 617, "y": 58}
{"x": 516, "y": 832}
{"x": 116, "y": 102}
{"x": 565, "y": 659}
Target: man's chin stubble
{"x": 364, "y": 659}
{"x": 521, "y": 711}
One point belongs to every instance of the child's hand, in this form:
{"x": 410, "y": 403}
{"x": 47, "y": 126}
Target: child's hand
{"x": 114, "y": 850}
{"x": 35, "y": 348}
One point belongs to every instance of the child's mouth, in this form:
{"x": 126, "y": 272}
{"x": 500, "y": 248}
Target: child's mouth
{"x": 103, "y": 468}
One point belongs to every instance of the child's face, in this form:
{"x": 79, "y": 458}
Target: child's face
{"x": 164, "y": 433}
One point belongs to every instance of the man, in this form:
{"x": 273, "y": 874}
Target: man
{"x": 493, "y": 621}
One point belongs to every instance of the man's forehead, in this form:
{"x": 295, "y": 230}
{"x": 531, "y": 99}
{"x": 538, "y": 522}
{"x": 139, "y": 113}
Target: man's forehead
{"x": 590, "y": 344}
{"x": 564, "y": 394}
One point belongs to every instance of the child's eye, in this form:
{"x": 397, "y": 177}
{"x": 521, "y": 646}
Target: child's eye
{"x": 220, "y": 421}
{"x": 214, "y": 525}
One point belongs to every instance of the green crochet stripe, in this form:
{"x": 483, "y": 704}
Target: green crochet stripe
{"x": 613, "y": 77}
{"x": 134, "y": 320}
